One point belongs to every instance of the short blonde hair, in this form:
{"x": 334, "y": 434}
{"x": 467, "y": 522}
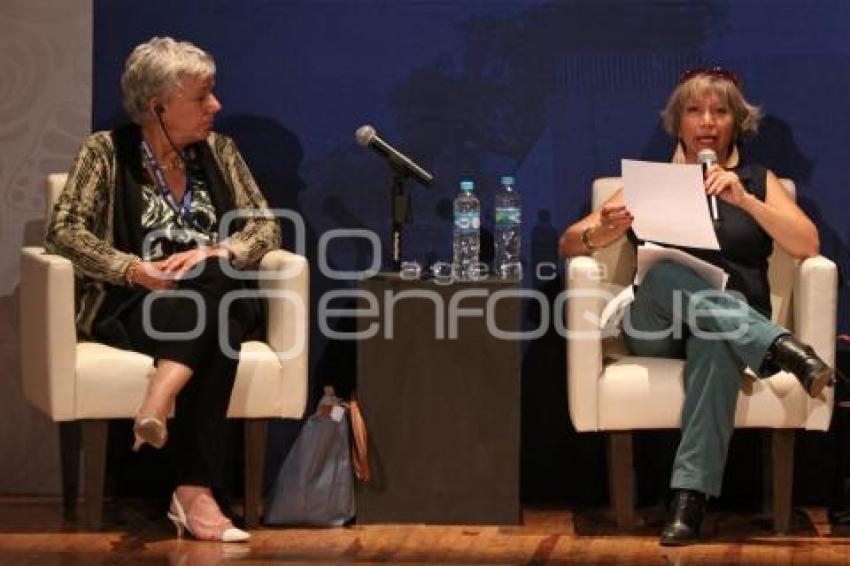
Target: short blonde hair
{"x": 747, "y": 116}
{"x": 156, "y": 68}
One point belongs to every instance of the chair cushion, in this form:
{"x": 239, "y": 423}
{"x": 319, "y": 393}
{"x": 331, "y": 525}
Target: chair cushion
{"x": 111, "y": 383}
{"x": 646, "y": 393}
{"x": 263, "y": 388}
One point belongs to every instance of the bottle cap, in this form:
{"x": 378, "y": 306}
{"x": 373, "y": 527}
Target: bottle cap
{"x": 467, "y": 186}
{"x": 508, "y": 181}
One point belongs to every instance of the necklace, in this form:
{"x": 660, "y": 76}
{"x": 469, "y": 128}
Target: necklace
{"x": 156, "y": 169}
{"x": 175, "y": 164}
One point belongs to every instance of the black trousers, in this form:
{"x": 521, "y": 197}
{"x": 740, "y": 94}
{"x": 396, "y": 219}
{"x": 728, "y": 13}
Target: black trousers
{"x": 197, "y": 433}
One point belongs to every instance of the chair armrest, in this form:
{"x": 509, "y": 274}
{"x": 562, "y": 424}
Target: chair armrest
{"x": 815, "y": 301}
{"x": 287, "y": 301}
{"x": 287, "y": 317}
{"x": 48, "y": 337}
{"x": 586, "y": 296}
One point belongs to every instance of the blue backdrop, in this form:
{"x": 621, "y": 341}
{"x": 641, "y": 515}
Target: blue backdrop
{"x": 555, "y": 92}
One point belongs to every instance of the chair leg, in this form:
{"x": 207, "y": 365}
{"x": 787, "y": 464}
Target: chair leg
{"x": 621, "y": 483}
{"x": 69, "y": 453}
{"x": 782, "y": 463}
{"x": 255, "y": 459}
{"x": 94, "y": 435}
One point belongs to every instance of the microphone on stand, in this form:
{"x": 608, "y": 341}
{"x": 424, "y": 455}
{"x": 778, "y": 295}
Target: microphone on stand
{"x": 707, "y": 158}
{"x": 402, "y": 167}
{"x": 368, "y": 137}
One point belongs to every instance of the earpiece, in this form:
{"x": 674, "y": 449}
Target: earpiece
{"x": 159, "y": 108}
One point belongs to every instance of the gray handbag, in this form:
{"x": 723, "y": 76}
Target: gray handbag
{"x": 315, "y": 484}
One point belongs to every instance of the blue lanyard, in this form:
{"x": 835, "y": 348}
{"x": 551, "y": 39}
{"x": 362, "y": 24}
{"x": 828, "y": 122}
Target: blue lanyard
{"x": 185, "y": 207}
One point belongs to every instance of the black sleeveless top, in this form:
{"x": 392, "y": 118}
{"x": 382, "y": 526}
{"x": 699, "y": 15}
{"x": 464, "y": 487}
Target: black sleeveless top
{"x": 744, "y": 245}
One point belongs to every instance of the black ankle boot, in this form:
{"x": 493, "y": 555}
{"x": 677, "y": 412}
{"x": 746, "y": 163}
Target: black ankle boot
{"x": 800, "y": 359}
{"x": 686, "y": 509}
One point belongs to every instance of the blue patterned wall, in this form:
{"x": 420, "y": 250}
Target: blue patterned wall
{"x": 557, "y": 92}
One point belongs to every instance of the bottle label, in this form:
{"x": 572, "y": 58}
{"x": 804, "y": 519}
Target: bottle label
{"x": 508, "y": 215}
{"x": 467, "y": 221}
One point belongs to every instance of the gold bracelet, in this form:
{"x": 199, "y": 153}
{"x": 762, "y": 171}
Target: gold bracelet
{"x": 130, "y": 272}
{"x": 216, "y": 248}
{"x": 585, "y": 238}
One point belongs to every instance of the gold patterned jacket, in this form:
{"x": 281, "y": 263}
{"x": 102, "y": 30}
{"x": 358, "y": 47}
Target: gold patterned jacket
{"x": 81, "y": 227}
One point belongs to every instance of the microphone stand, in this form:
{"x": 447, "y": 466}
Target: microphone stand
{"x": 401, "y": 210}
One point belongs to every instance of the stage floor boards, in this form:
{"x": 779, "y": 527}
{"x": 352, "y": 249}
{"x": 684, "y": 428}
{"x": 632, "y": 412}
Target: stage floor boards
{"x": 32, "y": 531}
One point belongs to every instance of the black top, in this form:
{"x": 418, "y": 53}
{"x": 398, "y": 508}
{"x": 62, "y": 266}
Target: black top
{"x": 744, "y": 245}
{"x": 177, "y": 233}
{"x": 129, "y": 223}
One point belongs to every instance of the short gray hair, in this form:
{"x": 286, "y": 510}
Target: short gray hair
{"x": 156, "y": 68}
{"x": 747, "y": 116}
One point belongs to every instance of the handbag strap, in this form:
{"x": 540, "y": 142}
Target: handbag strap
{"x": 359, "y": 451}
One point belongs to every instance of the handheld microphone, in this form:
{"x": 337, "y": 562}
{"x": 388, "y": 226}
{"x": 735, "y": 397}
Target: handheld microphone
{"x": 707, "y": 158}
{"x": 368, "y": 137}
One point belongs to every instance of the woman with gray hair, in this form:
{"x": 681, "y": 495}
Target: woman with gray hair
{"x": 145, "y": 209}
{"x": 721, "y": 333}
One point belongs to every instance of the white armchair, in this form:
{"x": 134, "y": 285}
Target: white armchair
{"x": 612, "y": 391}
{"x": 83, "y": 385}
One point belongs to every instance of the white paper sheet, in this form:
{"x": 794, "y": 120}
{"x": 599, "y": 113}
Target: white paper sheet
{"x": 668, "y": 203}
{"x": 649, "y": 254}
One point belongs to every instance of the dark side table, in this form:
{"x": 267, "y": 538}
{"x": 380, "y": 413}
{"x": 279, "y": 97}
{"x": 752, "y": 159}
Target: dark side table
{"x": 439, "y": 388}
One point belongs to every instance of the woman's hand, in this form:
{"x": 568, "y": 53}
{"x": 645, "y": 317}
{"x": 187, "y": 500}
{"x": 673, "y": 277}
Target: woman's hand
{"x": 598, "y": 229}
{"x": 177, "y": 265}
{"x": 614, "y": 221}
{"x": 726, "y": 185}
{"x": 149, "y": 275}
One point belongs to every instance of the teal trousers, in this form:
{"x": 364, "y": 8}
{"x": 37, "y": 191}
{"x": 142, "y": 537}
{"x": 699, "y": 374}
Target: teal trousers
{"x": 676, "y": 314}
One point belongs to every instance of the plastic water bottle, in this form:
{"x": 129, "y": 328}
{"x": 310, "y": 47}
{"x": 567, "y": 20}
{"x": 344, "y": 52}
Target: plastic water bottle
{"x": 508, "y": 232}
{"x": 467, "y": 222}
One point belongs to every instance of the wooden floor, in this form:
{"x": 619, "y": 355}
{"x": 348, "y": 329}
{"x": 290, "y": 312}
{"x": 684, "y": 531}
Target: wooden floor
{"x": 34, "y": 532}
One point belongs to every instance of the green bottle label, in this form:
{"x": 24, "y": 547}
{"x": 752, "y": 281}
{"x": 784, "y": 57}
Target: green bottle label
{"x": 508, "y": 215}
